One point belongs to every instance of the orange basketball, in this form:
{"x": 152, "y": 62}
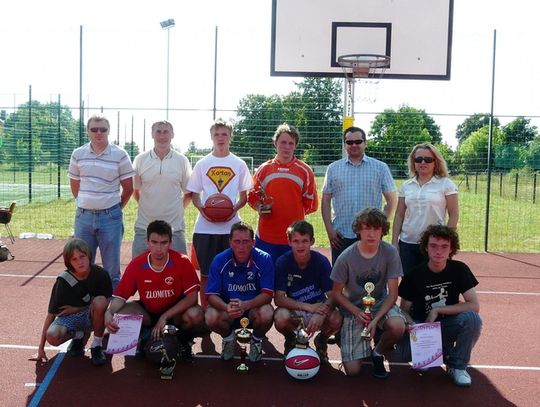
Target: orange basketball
{"x": 218, "y": 208}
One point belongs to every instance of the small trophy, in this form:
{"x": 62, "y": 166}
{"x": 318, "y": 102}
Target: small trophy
{"x": 243, "y": 336}
{"x": 167, "y": 364}
{"x": 265, "y": 201}
{"x": 368, "y": 302}
{"x": 302, "y": 337}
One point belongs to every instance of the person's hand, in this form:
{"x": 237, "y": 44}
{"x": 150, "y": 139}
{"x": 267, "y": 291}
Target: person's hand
{"x": 315, "y": 323}
{"x": 319, "y": 308}
{"x": 235, "y": 308}
{"x": 40, "y": 356}
{"x": 110, "y": 323}
{"x": 335, "y": 239}
{"x": 433, "y": 315}
{"x": 67, "y": 310}
{"x": 158, "y": 328}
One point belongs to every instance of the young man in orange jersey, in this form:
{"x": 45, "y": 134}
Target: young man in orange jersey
{"x": 284, "y": 191}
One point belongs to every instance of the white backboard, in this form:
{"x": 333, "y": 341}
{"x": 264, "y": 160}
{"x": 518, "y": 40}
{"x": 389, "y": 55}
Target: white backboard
{"x": 309, "y": 35}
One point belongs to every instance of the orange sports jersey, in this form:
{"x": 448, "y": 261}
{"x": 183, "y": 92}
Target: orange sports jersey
{"x": 294, "y": 194}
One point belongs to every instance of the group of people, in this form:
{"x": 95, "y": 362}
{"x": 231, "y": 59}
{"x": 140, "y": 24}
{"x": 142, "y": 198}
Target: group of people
{"x": 241, "y": 271}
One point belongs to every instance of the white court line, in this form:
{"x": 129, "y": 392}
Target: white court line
{"x": 26, "y": 276}
{"x": 507, "y": 293}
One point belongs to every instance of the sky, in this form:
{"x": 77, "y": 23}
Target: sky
{"x": 125, "y": 54}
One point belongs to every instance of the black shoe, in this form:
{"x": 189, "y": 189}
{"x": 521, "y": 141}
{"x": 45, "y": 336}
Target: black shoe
{"x": 185, "y": 350}
{"x": 76, "y": 348}
{"x": 379, "y": 371}
{"x": 98, "y": 357}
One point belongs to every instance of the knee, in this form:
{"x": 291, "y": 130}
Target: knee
{"x": 264, "y": 314}
{"x": 395, "y": 327}
{"x": 471, "y": 320}
{"x": 335, "y": 320}
{"x": 281, "y": 318}
{"x": 212, "y": 317}
{"x": 56, "y": 335}
{"x": 99, "y": 304}
{"x": 194, "y": 316}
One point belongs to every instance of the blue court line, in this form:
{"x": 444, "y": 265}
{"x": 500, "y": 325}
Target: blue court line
{"x": 47, "y": 380}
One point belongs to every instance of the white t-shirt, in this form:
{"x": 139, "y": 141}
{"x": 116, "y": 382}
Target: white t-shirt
{"x": 161, "y": 184}
{"x": 426, "y": 205}
{"x": 226, "y": 175}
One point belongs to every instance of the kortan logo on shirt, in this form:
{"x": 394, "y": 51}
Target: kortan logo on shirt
{"x": 220, "y": 176}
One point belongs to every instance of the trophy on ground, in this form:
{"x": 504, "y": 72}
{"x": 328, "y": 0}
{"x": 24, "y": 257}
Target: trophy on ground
{"x": 265, "y": 200}
{"x": 169, "y": 351}
{"x": 243, "y": 337}
{"x": 368, "y": 302}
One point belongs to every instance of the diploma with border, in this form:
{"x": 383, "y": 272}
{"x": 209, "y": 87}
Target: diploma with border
{"x": 124, "y": 342}
{"x": 426, "y": 345}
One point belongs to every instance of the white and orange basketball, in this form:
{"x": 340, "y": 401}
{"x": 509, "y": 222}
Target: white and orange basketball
{"x": 302, "y": 364}
{"x": 218, "y": 208}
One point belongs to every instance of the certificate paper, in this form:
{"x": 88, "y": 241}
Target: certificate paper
{"x": 426, "y": 345}
{"x": 124, "y": 342}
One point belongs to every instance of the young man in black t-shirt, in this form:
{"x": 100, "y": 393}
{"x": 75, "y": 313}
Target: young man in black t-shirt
{"x": 431, "y": 292}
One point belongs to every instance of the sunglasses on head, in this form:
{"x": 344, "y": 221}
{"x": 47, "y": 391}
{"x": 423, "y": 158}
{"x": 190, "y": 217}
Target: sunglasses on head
{"x": 351, "y": 142}
{"x": 428, "y": 160}
{"x": 100, "y": 129}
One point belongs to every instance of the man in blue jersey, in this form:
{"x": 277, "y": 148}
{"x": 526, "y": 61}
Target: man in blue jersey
{"x": 302, "y": 287}
{"x": 240, "y": 284}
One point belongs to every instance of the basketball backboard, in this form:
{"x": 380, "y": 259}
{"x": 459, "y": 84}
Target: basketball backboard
{"x": 308, "y": 36}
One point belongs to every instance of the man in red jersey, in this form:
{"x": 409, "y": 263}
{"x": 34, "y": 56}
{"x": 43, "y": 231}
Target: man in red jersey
{"x": 284, "y": 191}
{"x": 168, "y": 288}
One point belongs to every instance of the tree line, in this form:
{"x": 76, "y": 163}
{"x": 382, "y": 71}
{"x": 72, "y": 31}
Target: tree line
{"x": 316, "y": 108}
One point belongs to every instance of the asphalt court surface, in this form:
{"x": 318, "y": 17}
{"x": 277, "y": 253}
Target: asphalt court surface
{"x": 505, "y": 362}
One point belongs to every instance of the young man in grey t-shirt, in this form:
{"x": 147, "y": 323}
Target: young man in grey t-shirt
{"x": 372, "y": 261}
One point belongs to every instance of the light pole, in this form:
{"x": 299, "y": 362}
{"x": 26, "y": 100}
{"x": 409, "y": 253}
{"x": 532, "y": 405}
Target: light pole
{"x": 167, "y": 25}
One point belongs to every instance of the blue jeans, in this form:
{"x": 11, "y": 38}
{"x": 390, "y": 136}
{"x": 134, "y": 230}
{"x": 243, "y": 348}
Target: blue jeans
{"x": 104, "y": 229}
{"x": 459, "y": 335}
{"x": 410, "y": 256}
{"x": 274, "y": 250}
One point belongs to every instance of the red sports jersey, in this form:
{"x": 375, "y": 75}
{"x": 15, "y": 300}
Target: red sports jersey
{"x": 294, "y": 193}
{"x": 158, "y": 291}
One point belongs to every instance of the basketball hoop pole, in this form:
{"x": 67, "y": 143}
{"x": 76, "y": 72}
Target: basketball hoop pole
{"x": 348, "y": 102}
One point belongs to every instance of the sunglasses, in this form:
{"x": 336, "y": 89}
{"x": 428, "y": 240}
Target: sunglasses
{"x": 100, "y": 129}
{"x": 351, "y": 142}
{"x": 427, "y": 160}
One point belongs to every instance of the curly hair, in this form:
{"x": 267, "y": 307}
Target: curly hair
{"x": 371, "y": 217}
{"x": 441, "y": 232}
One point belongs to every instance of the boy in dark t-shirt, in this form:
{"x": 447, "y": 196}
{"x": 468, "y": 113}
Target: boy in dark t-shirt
{"x": 303, "y": 287}
{"x": 431, "y": 292}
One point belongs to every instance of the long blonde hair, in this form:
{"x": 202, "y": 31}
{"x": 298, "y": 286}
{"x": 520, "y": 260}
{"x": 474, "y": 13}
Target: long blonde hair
{"x": 440, "y": 169}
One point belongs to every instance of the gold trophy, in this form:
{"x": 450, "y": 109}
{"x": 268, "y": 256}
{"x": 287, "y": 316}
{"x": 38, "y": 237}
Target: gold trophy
{"x": 265, "y": 201}
{"x": 368, "y": 302}
{"x": 243, "y": 336}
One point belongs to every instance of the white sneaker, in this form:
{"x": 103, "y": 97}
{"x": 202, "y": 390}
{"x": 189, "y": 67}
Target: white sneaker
{"x": 460, "y": 377}
{"x": 227, "y": 349}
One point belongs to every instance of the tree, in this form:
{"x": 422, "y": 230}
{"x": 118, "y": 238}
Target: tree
{"x": 473, "y": 150}
{"x": 394, "y": 134}
{"x": 49, "y": 142}
{"x": 519, "y": 130}
{"x": 533, "y": 157}
{"x": 315, "y": 109}
{"x": 473, "y": 123}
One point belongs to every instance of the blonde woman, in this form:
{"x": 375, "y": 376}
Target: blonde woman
{"x": 428, "y": 198}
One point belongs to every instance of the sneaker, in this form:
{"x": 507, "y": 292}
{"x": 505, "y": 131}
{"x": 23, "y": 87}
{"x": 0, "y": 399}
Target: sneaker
{"x": 98, "y": 357}
{"x": 255, "y": 351}
{"x": 379, "y": 371}
{"x": 321, "y": 347}
{"x": 290, "y": 344}
{"x": 76, "y": 348}
{"x": 227, "y": 349}
{"x": 460, "y": 377}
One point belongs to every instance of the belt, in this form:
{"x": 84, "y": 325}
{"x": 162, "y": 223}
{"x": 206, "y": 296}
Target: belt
{"x": 99, "y": 210}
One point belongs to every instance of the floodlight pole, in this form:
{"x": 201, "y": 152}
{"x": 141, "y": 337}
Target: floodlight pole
{"x": 167, "y": 25}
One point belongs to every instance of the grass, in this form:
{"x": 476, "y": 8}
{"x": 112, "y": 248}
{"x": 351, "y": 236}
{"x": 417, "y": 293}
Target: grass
{"x": 514, "y": 224}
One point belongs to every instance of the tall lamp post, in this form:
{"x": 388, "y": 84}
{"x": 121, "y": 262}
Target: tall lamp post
{"x": 167, "y": 25}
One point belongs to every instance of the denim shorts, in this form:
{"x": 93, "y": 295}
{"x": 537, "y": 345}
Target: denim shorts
{"x": 79, "y": 321}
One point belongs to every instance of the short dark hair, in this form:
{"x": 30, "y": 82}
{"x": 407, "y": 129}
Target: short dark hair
{"x": 441, "y": 232}
{"x": 371, "y": 217}
{"x": 70, "y": 247}
{"x": 301, "y": 226}
{"x": 354, "y": 129}
{"x": 97, "y": 118}
{"x": 242, "y": 227}
{"x": 159, "y": 227}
